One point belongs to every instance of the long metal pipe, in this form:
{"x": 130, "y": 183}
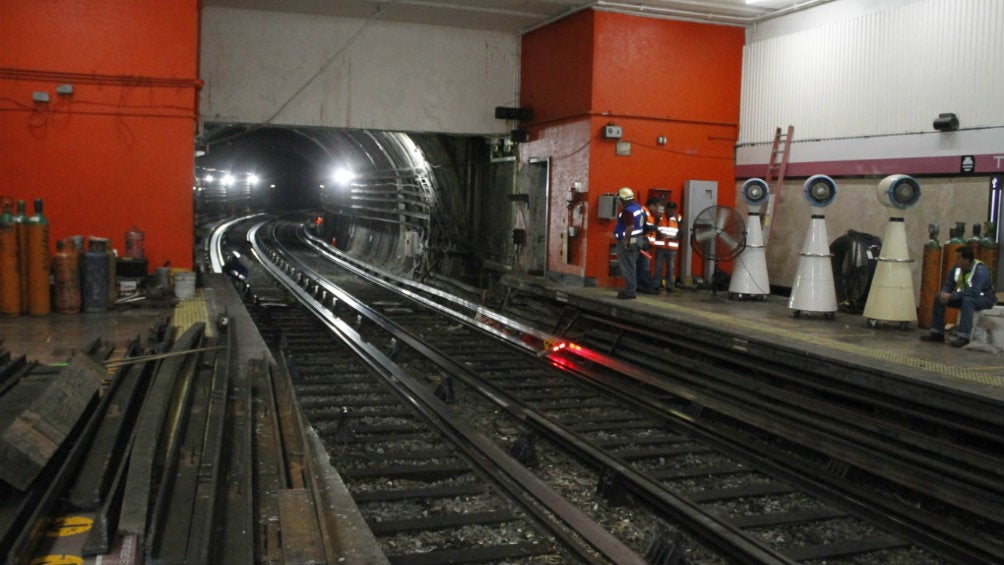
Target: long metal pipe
{"x": 677, "y": 13}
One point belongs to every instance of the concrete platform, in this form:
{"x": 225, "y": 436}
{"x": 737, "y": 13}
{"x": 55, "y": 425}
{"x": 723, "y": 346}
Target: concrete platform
{"x": 847, "y": 338}
{"x": 52, "y": 339}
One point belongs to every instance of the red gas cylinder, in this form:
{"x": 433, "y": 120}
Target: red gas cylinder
{"x": 930, "y": 278}
{"x": 948, "y": 254}
{"x": 66, "y": 277}
{"x": 39, "y": 302}
{"x": 134, "y": 244}
{"x": 10, "y": 275}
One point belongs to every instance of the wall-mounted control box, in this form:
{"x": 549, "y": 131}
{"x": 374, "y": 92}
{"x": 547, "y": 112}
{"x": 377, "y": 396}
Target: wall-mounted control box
{"x": 606, "y": 206}
{"x": 612, "y": 132}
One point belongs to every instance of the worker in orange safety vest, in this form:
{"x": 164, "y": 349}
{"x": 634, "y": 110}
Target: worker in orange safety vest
{"x": 667, "y": 243}
{"x": 645, "y": 282}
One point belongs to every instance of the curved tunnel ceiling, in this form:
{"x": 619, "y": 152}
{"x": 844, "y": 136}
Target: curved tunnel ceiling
{"x": 292, "y": 161}
{"x": 407, "y": 193}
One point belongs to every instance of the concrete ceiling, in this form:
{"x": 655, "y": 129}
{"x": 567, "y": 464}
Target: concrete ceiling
{"x": 520, "y": 16}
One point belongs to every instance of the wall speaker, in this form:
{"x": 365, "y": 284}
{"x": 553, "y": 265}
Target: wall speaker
{"x": 946, "y": 122}
{"x": 518, "y": 114}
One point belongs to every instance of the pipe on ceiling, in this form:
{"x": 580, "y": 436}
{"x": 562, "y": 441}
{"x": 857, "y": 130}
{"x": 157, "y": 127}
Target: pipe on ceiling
{"x": 677, "y": 13}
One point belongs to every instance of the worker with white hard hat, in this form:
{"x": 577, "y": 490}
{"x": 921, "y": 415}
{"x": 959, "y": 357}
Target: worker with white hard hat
{"x": 630, "y": 236}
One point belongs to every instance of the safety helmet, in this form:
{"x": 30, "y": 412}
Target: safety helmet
{"x": 625, "y": 194}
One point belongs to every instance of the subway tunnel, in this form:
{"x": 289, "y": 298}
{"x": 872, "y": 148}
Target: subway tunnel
{"x": 418, "y": 204}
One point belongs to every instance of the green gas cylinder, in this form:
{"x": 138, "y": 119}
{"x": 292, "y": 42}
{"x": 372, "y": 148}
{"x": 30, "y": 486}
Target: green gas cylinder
{"x": 973, "y": 242}
{"x": 990, "y": 249}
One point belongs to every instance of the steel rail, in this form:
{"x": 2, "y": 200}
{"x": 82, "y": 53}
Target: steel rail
{"x": 698, "y": 400}
{"x": 942, "y": 537}
{"x": 489, "y": 456}
{"x": 939, "y": 537}
{"x": 843, "y": 435}
{"x": 147, "y": 457}
{"x": 28, "y": 515}
{"x": 714, "y": 531}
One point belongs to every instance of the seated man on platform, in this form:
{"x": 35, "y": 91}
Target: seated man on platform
{"x": 968, "y": 287}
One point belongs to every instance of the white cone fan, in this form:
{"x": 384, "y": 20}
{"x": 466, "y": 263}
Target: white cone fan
{"x": 891, "y": 296}
{"x": 813, "y": 289}
{"x": 749, "y": 272}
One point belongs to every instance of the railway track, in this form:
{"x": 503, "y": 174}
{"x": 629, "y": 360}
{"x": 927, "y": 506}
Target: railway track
{"x": 666, "y": 446}
{"x": 432, "y": 489}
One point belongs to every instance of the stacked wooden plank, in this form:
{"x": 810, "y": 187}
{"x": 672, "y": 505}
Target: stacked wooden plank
{"x": 39, "y": 413}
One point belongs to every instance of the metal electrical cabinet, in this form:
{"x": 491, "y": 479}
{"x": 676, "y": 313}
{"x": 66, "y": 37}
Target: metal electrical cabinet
{"x": 697, "y": 195}
{"x": 606, "y": 206}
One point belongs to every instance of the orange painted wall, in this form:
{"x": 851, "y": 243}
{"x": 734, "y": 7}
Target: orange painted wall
{"x": 652, "y": 77}
{"x": 556, "y": 69}
{"x": 117, "y": 151}
{"x": 664, "y": 69}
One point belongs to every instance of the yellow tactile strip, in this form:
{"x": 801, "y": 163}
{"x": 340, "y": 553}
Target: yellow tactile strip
{"x": 190, "y": 311}
{"x": 719, "y": 320}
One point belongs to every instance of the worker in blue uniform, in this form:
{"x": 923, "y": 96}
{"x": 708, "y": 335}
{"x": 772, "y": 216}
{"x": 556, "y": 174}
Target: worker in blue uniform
{"x": 235, "y": 268}
{"x": 968, "y": 287}
{"x": 629, "y": 231}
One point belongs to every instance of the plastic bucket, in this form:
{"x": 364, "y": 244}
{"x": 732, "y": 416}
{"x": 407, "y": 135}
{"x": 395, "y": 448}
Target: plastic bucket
{"x": 184, "y": 285}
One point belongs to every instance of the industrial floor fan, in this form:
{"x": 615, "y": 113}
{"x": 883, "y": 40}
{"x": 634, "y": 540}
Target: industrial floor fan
{"x": 718, "y": 233}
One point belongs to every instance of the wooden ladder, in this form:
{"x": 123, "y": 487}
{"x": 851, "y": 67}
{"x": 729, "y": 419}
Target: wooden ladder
{"x": 776, "y": 169}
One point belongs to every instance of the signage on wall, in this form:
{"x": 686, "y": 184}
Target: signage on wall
{"x": 968, "y": 164}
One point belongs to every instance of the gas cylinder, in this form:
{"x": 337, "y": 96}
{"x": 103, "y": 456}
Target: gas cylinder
{"x": 134, "y": 243}
{"x": 10, "y": 262}
{"x": 955, "y": 241}
{"x": 21, "y": 221}
{"x": 38, "y": 263}
{"x": 113, "y": 289}
{"x": 948, "y": 254}
{"x": 78, "y": 245}
{"x": 66, "y": 277}
{"x": 973, "y": 242}
{"x": 94, "y": 276}
{"x": 990, "y": 250}
{"x": 930, "y": 277}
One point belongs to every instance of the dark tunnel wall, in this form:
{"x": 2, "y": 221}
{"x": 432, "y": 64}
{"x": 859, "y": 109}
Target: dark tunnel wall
{"x": 419, "y": 204}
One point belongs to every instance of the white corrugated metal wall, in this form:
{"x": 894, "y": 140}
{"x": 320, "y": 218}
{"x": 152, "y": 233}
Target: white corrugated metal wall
{"x": 885, "y": 72}
{"x": 863, "y": 80}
